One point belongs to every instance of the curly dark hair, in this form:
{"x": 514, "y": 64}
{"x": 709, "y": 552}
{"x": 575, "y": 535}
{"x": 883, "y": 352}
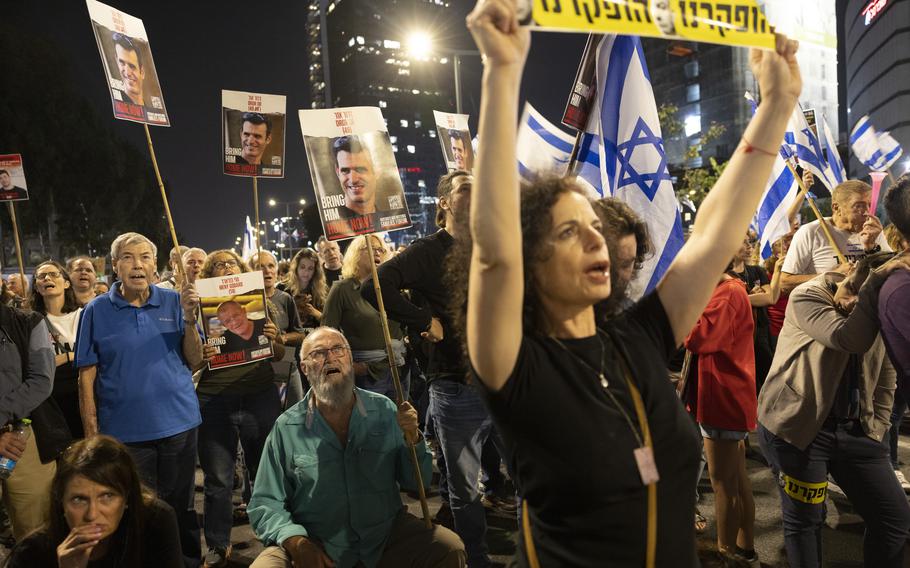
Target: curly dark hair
{"x": 537, "y": 201}
{"x": 619, "y": 220}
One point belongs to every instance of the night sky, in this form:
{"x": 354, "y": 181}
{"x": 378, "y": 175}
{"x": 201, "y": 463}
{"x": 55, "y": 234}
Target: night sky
{"x": 202, "y": 47}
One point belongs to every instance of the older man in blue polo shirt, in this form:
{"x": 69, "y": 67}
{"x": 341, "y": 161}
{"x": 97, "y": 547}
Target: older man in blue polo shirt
{"x": 135, "y": 351}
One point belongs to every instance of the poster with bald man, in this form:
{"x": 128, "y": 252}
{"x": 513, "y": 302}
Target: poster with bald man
{"x": 354, "y": 171}
{"x": 455, "y": 139}
{"x": 252, "y": 133}
{"x": 233, "y": 318}
{"x": 128, "y": 66}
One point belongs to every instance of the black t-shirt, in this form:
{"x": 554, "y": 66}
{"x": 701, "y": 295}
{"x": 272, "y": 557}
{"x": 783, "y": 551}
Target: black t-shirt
{"x": 160, "y": 545}
{"x": 754, "y": 275}
{"x": 331, "y": 275}
{"x": 572, "y": 450}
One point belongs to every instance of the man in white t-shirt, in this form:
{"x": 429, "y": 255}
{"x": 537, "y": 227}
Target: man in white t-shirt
{"x": 856, "y": 232}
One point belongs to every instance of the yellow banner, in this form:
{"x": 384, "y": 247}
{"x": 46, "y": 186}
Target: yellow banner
{"x": 727, "y": 22}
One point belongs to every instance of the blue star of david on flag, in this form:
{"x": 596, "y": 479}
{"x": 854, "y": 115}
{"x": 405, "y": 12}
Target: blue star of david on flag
{"x": 644, "y": 138}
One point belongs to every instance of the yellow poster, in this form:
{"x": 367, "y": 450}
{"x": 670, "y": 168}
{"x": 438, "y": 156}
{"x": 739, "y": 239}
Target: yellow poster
{"x": 727, "y": 22}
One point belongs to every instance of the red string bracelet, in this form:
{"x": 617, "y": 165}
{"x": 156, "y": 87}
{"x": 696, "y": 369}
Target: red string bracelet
{"x": 749, "y": 148}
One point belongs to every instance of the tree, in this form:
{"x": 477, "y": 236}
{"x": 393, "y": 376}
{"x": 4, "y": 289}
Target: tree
{"x": 696, "y": 182}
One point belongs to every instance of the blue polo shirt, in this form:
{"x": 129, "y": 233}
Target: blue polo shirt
{"x": 144, "y": 389}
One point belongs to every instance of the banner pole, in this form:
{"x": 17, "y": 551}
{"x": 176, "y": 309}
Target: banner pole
{"x": 584, "y": 91}
{"x": 167, "y": 208}
{"x": 402, "y": 396}
{"x": 803, "y": 190}
{"x": 12, "y": 216}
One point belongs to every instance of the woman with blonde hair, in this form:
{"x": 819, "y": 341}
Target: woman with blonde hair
{"x": 345, "y": 309}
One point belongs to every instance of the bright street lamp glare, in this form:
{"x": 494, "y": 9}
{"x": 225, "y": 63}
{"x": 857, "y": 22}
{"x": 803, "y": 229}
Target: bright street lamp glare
{"x": 303, "y": 201}
{"x": 420, "y": 44}
{"x": 272, "y": 202}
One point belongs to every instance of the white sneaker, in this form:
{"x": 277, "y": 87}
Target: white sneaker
{"x": 905, "y": 485}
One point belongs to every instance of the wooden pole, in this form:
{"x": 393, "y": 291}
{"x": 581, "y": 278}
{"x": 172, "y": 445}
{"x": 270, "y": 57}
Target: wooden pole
{"x": 402, "y": 396}
{"x": 167, "y": 208}
{"x": 256, "y": 213}
{"x": 12, "y": 216}
{"x": 821, "y": 220}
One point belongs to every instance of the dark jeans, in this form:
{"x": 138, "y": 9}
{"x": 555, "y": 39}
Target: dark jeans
{"x": 861, "y": 467}
{"x": 168, "y": 467}
{"x": 227, "y": 418}
{"x": 385, "y": 385}
{"x": 897, "y": 416}
{"x": 463, "y": 425}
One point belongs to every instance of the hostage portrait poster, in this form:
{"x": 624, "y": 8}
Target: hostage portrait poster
{"x": 233, "y": 318}
{"x": 355, "y": 175}
{"x": 252, "y": 133}
{"x": 129, "y": 69}
{"x": 455, "y": 139}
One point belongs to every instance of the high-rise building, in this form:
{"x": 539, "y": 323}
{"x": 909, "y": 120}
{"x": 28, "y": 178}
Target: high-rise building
{"x": 877, "y": 69}
{"x": 359, "y": 56}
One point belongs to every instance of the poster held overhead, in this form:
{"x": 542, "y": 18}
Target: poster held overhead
{"x": 455, "y": 139}
{"x": 128, "y": 65}
{"x": 234, "y": 314}
{"x": 12, "y": 178}
{"x": 253, "y": 133}
{"x": 354, "y": 171}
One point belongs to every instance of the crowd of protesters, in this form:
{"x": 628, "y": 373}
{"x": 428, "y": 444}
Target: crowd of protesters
{"x": 521, "y": 356}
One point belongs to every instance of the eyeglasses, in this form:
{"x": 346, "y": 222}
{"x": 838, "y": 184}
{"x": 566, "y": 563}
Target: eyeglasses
{"x": 47, "y": 275}
{"x": 221, "y": 265}
{"x": 320, "y": 355}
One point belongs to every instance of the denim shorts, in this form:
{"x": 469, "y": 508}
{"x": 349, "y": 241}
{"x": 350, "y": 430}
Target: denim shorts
{"x": 718, "y": 434}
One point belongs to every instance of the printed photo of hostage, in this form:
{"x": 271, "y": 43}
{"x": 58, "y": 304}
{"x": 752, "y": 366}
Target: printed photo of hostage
{"x": 128, "y": 65}
{"x": 12, "y": 178}
{"x": 455, "y": 139}
{"x": 234, "y": 323}
{"x": 355, "y": 175}
{"x": 253, "y": 127}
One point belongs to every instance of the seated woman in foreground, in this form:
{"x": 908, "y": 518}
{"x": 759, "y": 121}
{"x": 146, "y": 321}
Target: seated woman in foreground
{"x": 101, "y": 515}
{"x": 589, "y": 416}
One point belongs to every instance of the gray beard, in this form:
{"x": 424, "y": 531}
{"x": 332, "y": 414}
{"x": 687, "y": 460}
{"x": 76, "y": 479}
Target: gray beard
{"x": 334, "y": 394}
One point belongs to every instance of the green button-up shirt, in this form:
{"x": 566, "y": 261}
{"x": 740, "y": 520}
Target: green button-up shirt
{"x": 345, "y": 497}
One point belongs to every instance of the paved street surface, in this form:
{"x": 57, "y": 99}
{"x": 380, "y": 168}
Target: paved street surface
{"x": 842, "y": 536}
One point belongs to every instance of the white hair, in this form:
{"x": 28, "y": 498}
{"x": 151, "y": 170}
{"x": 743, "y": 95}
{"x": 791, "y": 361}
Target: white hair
{"x": 191, "y": 250}
{"x": 322, "y": 328}
{"x": 127, "y": 239}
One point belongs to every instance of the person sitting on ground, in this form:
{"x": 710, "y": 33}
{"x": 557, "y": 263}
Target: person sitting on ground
{"x": 100, "y": 515}
{"x": 82, "y": 272}
{"x": 52, "y": 296}
{"x": 328, "y": 488}
{"x": 825, "y": 409}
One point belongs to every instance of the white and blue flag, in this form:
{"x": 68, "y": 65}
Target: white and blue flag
{"x": 877, "y": 150}
{"x": 836, "y": 172}
{"x": 805, "y": 145}
{"x": 542, "y": 148}
{"x": 771, "y": 221}
{"x": 624, "y": 133}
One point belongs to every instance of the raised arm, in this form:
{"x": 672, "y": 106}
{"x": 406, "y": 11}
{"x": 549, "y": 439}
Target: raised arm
{"x": 731, "y": 203}
{"x": 496, "y": 288}
{"x": 770, "y": 294}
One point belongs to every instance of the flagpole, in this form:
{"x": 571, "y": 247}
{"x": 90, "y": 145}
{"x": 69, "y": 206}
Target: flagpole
{"x": 821, "y": 220}
{"x": 12, "y": 216}
{"x": 399, "y": 391}
{"x": 167, "y": 208}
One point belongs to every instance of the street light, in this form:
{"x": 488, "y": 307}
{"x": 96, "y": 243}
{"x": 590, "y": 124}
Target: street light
{"x": 285, "y": 219}
{"x": 420, "y": 46}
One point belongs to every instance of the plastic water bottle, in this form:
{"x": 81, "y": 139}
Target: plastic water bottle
{"x": 21, "y": 429}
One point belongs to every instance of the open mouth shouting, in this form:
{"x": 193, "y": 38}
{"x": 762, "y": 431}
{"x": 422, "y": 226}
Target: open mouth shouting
{"x": 598, "y": 272}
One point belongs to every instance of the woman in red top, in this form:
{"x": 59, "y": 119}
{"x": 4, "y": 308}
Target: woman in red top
{"x": 727, "y": 408}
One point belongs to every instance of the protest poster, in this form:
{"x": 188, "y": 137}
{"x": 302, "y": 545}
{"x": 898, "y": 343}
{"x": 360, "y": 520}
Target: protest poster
{"x": 12, "y": 178}
{"x": 455, "y": 139}
{"x": 128, "y": 65}
{"x": 725, "y": 22}
{"x": 809, "y": 113}
{"x": 355, "y": 176}
{"x": 252, "y": 133}
{"x": 233, "y": 317}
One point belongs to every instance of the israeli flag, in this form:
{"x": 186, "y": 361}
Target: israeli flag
{"x": 805, "y": 145}
{"x": 631, "y": 158}
{"x": 771, "y": 220}
{"x": 836, "y": 172}
{"x": 542, "y": 147}
{"x": 250, "y": 240}
{"x": 877, "y": 150}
